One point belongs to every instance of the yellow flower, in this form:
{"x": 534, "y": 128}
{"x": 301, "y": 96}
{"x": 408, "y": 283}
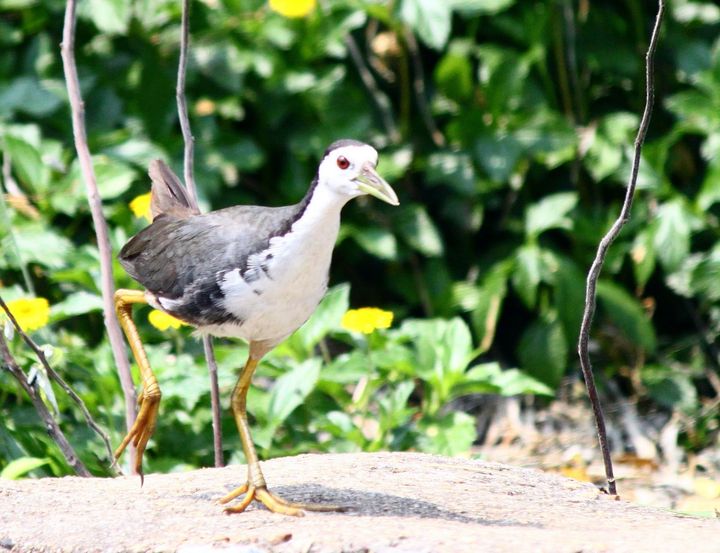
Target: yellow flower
{"x": 30, "y": 313}
{"x": 293, "y": 8}
{"x": 204, "y": 106}
{"x": 163, "y": 321}
{"x": 366, "y": 319}
{"x": 140, "y": 206}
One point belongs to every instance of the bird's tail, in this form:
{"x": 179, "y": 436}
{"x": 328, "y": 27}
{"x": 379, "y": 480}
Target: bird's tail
{"x": 169, "y": 196}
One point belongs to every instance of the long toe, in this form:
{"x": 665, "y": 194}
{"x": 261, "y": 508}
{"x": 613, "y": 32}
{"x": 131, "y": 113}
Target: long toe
{"x": 273, "y": 502}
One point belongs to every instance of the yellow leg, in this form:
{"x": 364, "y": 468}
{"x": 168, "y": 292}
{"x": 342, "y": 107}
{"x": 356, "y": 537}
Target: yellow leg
{"x": 149, "y": 399}
{"x": 255, "y": 487}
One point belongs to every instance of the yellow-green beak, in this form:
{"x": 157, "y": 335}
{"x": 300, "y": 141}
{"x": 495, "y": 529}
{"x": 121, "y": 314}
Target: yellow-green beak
{"x": 371, "y": 183}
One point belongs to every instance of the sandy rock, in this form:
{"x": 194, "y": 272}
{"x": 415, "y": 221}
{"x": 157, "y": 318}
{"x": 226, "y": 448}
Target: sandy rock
{"x": 398, "y": 502}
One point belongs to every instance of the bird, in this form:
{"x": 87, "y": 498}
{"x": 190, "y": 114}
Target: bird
{"x": 250, "y": 272}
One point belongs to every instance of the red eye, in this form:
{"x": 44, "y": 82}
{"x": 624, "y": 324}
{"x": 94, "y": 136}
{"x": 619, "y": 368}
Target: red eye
{"x": 343, "y": 163}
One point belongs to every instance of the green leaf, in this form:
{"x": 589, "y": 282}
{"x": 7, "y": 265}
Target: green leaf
{"x": 543, "y": 351}
{"x": 527, "y": 274}
{"x": 710, "y": 191}
{"x": 75, "y": 304}
{"x": 670, "y": 387}
{"x": 42, "y": 246}
{"x": 419, "y": 231}
{"x": 27, "y": 163}
{"x": 454, "y": 74}
{"x": 569, "y": 297}
{"x": 453, "y": 169}
{"x": 347, "y": 368}
{"x": 430, "y": 19}
{"x": 442, "y": 346}
{"x": 110, "y": 16}
{"x": 550, "y": 212}
{"x": 512, "y": 382}
{"x": 474, "y": 7}
{"x": 453, "y": 434}
{"x": 498, "y": 155}
{"x": 672, "y": 237}
{"x": 627, "y": 314}
{"x": 375, "y": 240}
{"x": 394, "y": 164}
{"x": 606, "y": 143}
{"x": 17, "y": 468}
{"x": 28, "y": 95}
{"x": 643, "y": 254}
{"x": 325, "y": 318}
{"x": 491, "y": 295}
{"x": 291, "y": 389}
{"x": 507, "y": 382}
{"x": 113, "y": 177}
{"x": 698, "y": 276}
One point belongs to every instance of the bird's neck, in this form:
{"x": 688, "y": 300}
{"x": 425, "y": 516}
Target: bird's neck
{"x": 320, "y": 207}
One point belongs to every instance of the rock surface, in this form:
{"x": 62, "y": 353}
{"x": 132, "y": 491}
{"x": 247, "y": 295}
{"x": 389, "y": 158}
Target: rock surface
{"x": 399, "y": 502}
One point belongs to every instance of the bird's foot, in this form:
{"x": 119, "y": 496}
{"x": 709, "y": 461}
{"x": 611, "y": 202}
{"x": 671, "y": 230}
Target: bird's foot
{"x": 273, "y": 502}
{"x": 144, "y": 426}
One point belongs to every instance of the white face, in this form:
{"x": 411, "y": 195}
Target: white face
{"x": 350, "y": 171}
{"x": 343, "y": 164}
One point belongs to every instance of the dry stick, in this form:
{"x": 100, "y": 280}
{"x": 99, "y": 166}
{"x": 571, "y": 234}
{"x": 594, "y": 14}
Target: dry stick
{"x": 381, "y": 99}
{"x": 57, "y": 378}
{"x": 188, "y": 163}
{"x": 214, "y": 400}
{"x": 51, "y": 426}
{"x": 594, "y": 273}
{"x": 77, "y": 108}
{"x": 419, "y": 87}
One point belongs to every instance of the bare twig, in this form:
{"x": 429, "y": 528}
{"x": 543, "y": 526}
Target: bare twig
{"x": 51, "y": 425}
{"x": 419, "y": 87}
{"x": 77, "y": 109}
{"x": 58, "y": 379}
{"x": 381, "y": 99}
{"x": 188, "y": 170}
{"x": 214, "y": 400}
{"x": 188, "y": 139}
{"x": 596, "y": 267}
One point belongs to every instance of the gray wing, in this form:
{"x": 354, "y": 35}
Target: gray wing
{"x": 182, "y": 258}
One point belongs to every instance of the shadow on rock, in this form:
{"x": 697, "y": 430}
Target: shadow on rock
{"x": 363, "y": 503}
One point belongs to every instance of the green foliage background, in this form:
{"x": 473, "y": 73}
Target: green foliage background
{"x": 483, "y": 263}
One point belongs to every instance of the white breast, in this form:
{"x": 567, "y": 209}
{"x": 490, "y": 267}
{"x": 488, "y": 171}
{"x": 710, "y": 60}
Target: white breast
{"x": 283, "y": 285}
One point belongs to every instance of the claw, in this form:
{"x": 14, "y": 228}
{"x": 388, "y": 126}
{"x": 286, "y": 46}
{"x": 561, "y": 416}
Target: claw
{"x": 273, "y": 502}
{"x": 143, "y": 428}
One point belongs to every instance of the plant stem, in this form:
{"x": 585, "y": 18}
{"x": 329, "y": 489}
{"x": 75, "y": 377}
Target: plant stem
{"x": 188, "y": 170}
{"x": 596, "y": 267}
{"x": 51, "y": 425}
{"x": 59, "y": 380}
{"x": 77, "y": 108}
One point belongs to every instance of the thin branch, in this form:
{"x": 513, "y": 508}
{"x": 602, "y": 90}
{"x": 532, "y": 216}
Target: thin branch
{"x": 59, "y": 380}
{"x": 594, "y": 273}
{"x": 381, "y": 99}
{"x": 214, "y": 400}
{"x": 51, "y": 425}
{"x": 419, "y": 87}
{"x": 188, "y": 170}
{"x": 77, "y": 108}
{"x": 188, "y": 139}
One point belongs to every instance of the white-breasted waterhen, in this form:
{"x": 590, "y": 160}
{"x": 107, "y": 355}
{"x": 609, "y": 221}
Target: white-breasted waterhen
{"x": 251, "y": 272}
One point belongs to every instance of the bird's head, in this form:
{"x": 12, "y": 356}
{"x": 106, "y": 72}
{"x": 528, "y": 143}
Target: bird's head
{"x": 349, "y": 168}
